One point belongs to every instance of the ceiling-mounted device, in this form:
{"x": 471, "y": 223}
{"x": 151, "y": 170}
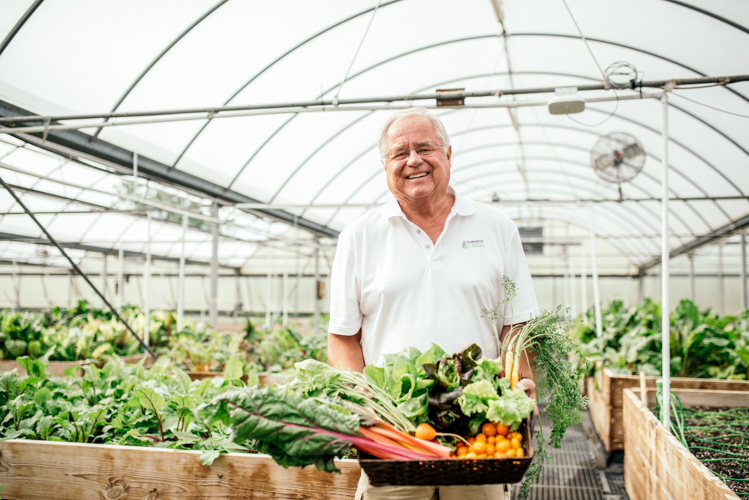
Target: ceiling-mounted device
{"x": 566, "y": 101}
{"x": 617, "y": 157}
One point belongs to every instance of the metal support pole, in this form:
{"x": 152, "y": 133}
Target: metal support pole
{"x": 317, "y": 287}
{"x": 584, "y": 277}
{"x": 120, "y": 278}
{"x": 135, "y": 172}
{"x": 45, "y": 279}
{"x": 721, "y": 284}
{"x": 213, "y": 318}
{"x": 268, "y": 293}
{"x": 147, "y": 285}
{"x": 285, "y": 305}
{"x": 690, "y": 256}
{"x": 16, "y": 300}
{"x": 742, "y": 273}
{"x": 665, "y": 247}
{"x": 181, "y": 283}
{"x": 104, "y": 273}
{"x": 237, "y": 294}
{"x": 596, "y": 292}
{"x": 566, "y": 279}
{"x": 641, "y": 289}
{"x": 70, "y": 289}
{"x": 573, "y": 292}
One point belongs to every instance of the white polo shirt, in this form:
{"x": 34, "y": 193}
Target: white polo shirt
{"x": 390, "y": 280}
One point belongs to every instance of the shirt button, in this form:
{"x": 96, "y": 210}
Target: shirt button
{"x": 427, "y": 247}
{"x": 418, "y": 230}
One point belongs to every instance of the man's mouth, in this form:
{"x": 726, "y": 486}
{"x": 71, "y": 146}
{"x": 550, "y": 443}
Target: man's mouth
{"x": 416, "y": 176}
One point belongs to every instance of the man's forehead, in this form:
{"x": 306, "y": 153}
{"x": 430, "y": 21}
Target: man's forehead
{"x": 411, "y": 129}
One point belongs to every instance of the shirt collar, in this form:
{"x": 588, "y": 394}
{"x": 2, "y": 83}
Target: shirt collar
{"x": 462, "y": 206}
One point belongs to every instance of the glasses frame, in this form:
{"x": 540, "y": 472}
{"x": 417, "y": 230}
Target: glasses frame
{"x": 389, "y": 157}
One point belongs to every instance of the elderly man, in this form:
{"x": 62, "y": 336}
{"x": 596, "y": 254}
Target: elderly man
{"x": 420, "y": 269}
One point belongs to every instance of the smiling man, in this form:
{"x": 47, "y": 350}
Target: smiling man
{"x": 420, "y": 269}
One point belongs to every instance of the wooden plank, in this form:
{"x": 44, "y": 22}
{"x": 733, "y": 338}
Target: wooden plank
{"x": 53, "y": 367}
{"x": 673, "y": 472}
{"x": 699, "y": 397}
{"x": 600, "y": 413}
{"x": 617, "y": 383}
{"x": 33, "y": 470}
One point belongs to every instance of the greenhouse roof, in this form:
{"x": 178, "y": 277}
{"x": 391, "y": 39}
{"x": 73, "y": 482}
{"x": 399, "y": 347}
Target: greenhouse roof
{"x": 318, "y": 165}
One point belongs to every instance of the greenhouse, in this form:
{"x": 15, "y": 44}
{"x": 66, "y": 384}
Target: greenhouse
{"x": 336, "y": 249}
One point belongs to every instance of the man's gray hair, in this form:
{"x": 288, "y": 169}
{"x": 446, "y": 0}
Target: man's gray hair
{"x": 439, "y": 128}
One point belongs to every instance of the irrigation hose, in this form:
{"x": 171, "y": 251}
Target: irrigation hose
{"x": 78, "y": 269}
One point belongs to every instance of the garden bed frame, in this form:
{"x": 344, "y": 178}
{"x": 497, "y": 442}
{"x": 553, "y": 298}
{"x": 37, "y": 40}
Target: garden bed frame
{"x": 656, "y": 464}
{"x": 40, "y": 470}
{"x": 606, "y": 399}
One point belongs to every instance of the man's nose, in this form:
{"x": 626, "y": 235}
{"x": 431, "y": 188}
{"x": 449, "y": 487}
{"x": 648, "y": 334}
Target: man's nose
{"x": 413, "y": 158}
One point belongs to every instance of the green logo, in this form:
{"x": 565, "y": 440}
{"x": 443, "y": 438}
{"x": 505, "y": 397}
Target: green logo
{"x": 473, "y": 243}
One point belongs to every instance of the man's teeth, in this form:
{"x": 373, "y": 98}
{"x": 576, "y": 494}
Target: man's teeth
{"x": 416, "y": 176}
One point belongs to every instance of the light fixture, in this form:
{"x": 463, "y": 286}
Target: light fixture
{"x": 566, "y": 101}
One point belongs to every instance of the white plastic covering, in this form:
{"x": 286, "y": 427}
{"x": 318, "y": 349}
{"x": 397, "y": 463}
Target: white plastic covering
{"x": 97, "y": 57}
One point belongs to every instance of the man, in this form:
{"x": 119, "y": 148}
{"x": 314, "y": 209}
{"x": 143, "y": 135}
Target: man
{"x": 421, "y": 269}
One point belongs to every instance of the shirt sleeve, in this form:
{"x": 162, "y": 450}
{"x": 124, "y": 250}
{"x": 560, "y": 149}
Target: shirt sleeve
{"x": 524, "y": 305}
{"x": 345, "y": 310}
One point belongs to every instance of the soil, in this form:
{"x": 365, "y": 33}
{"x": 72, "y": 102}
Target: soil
{"x": 719, "y": 438}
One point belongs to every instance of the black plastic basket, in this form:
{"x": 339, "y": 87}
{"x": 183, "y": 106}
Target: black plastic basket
{"x": 452, "y": 471}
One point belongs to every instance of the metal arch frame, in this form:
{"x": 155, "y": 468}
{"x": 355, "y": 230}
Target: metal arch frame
{"x": 19, "y": 24}
{"x": 447, "y": 42}
{"x": 571, "y": 163}
{"x": 709, "y": 14}
{"x": 158, "y": 58}
{"x": 270, "y": 65}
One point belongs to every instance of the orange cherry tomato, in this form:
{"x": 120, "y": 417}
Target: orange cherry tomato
{"x": 426, "y": 432}
{"x": 479, "y": 447}
{"x": 501, "y": 455}
{"x": 483, "y": 455}
{"x": 462, "y": 450}
{"x": 511, "y": 453}
{"x": 503, "y": 445}
{"x": 471, "y": 440}
{"x": 488, "y": 429}
{"x": 490, "y": 450}
{"x": 515, "y": 443}
{"x": 519, "y": 453}
{"x": 502, "y": 429}
{"x": 481, "y": 437}
{"x": 491, "y": 439}
{"x": 471, "y": 455}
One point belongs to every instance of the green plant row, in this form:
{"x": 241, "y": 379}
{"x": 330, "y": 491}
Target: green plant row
{"x": 702, "y": 344}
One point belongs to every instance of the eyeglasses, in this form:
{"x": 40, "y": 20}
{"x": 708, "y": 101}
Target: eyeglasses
{"x": 423, "y": 149}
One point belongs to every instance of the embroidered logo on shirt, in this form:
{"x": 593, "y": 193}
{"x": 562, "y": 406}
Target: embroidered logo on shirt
{"x": 473, "y": 243}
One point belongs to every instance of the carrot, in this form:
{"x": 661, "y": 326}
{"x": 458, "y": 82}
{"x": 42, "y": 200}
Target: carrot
{"x": 509, "y": 364}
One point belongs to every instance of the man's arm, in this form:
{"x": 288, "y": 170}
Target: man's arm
{"x": 528, "y": 385}
{"x": 344, "y": 351}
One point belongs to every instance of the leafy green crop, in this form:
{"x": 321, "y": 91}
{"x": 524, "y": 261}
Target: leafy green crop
{"x": 703, "y": 345}
{"x": 115, "y": 405}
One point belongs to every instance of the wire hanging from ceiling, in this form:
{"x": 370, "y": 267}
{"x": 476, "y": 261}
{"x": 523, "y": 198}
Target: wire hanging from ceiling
{"x": 711, "y": 107}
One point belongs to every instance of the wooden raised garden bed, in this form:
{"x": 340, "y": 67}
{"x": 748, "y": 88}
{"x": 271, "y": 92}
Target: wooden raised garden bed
{"x": 656, "y": 464}
{"x": 265, "y": 378}
{"x": 40, "y": 470}
{"x": 606, "y": 399}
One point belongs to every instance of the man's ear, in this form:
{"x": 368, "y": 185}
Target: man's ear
{"x": 449, "y": 152}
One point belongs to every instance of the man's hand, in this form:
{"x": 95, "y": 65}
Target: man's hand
{"x": 528, "y": 386}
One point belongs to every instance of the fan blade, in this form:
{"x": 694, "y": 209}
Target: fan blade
{"x": 632, "y": 151}
{"x": 604, "y": 161}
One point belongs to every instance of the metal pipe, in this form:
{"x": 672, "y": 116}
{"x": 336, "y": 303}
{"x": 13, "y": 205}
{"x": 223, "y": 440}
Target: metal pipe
{"x": 45, "y": 278}
{"x": 744, "y": 294}
{"x": 213, "y": 318}
{"x": 721, "y": 284}
{"x": 573, "y": 292}
{"x": 70, "y": 289}
{"x": 301, "y": 110}
{"x": 640, "y": 290}
{"x": 317, "y": 295}
{"x": 596, "y": 293}
{"x": 285, "y": 304}
{"x": 583, "y": 278}
{"x": 147, "y": 286}
{"x": 181, "y": 283}
{"x": 268, "y": 293}
{"x": 16, "y": 299}
{"x": 104, "y": 279}
{"x": 665, "y": 303}
{"x": 690, "y": 256}
{"x": 321, "y": 103}
{"x": 237, "y": 295}
{"x": 120, "y": 277}
{"x": 135, "y": 173}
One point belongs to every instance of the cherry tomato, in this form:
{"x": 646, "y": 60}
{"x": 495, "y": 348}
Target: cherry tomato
{"x": 490, "y": 450}
{"x": 479, "y": 447}
{"x": 515, "y": 442}
{"x": 519, "y": 453}
{"x": 471, "y": 455}
{"x": 502, "y": 429}
{"x": 503, "y": 445}
{"x": 481, "y": 437}
{"x": 511, "y": 453}
{"x": 488, "y": 429}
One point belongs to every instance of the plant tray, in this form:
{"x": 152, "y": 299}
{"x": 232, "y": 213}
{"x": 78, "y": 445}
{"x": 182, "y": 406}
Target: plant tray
{"x": 452, "y": 471}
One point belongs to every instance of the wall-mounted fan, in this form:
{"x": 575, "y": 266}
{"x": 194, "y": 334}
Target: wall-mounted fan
{"x": 617, "y": 157}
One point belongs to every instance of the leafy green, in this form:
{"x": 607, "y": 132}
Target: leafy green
{"x": 476, "y": 397}
{"x": 512, "y": 408}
